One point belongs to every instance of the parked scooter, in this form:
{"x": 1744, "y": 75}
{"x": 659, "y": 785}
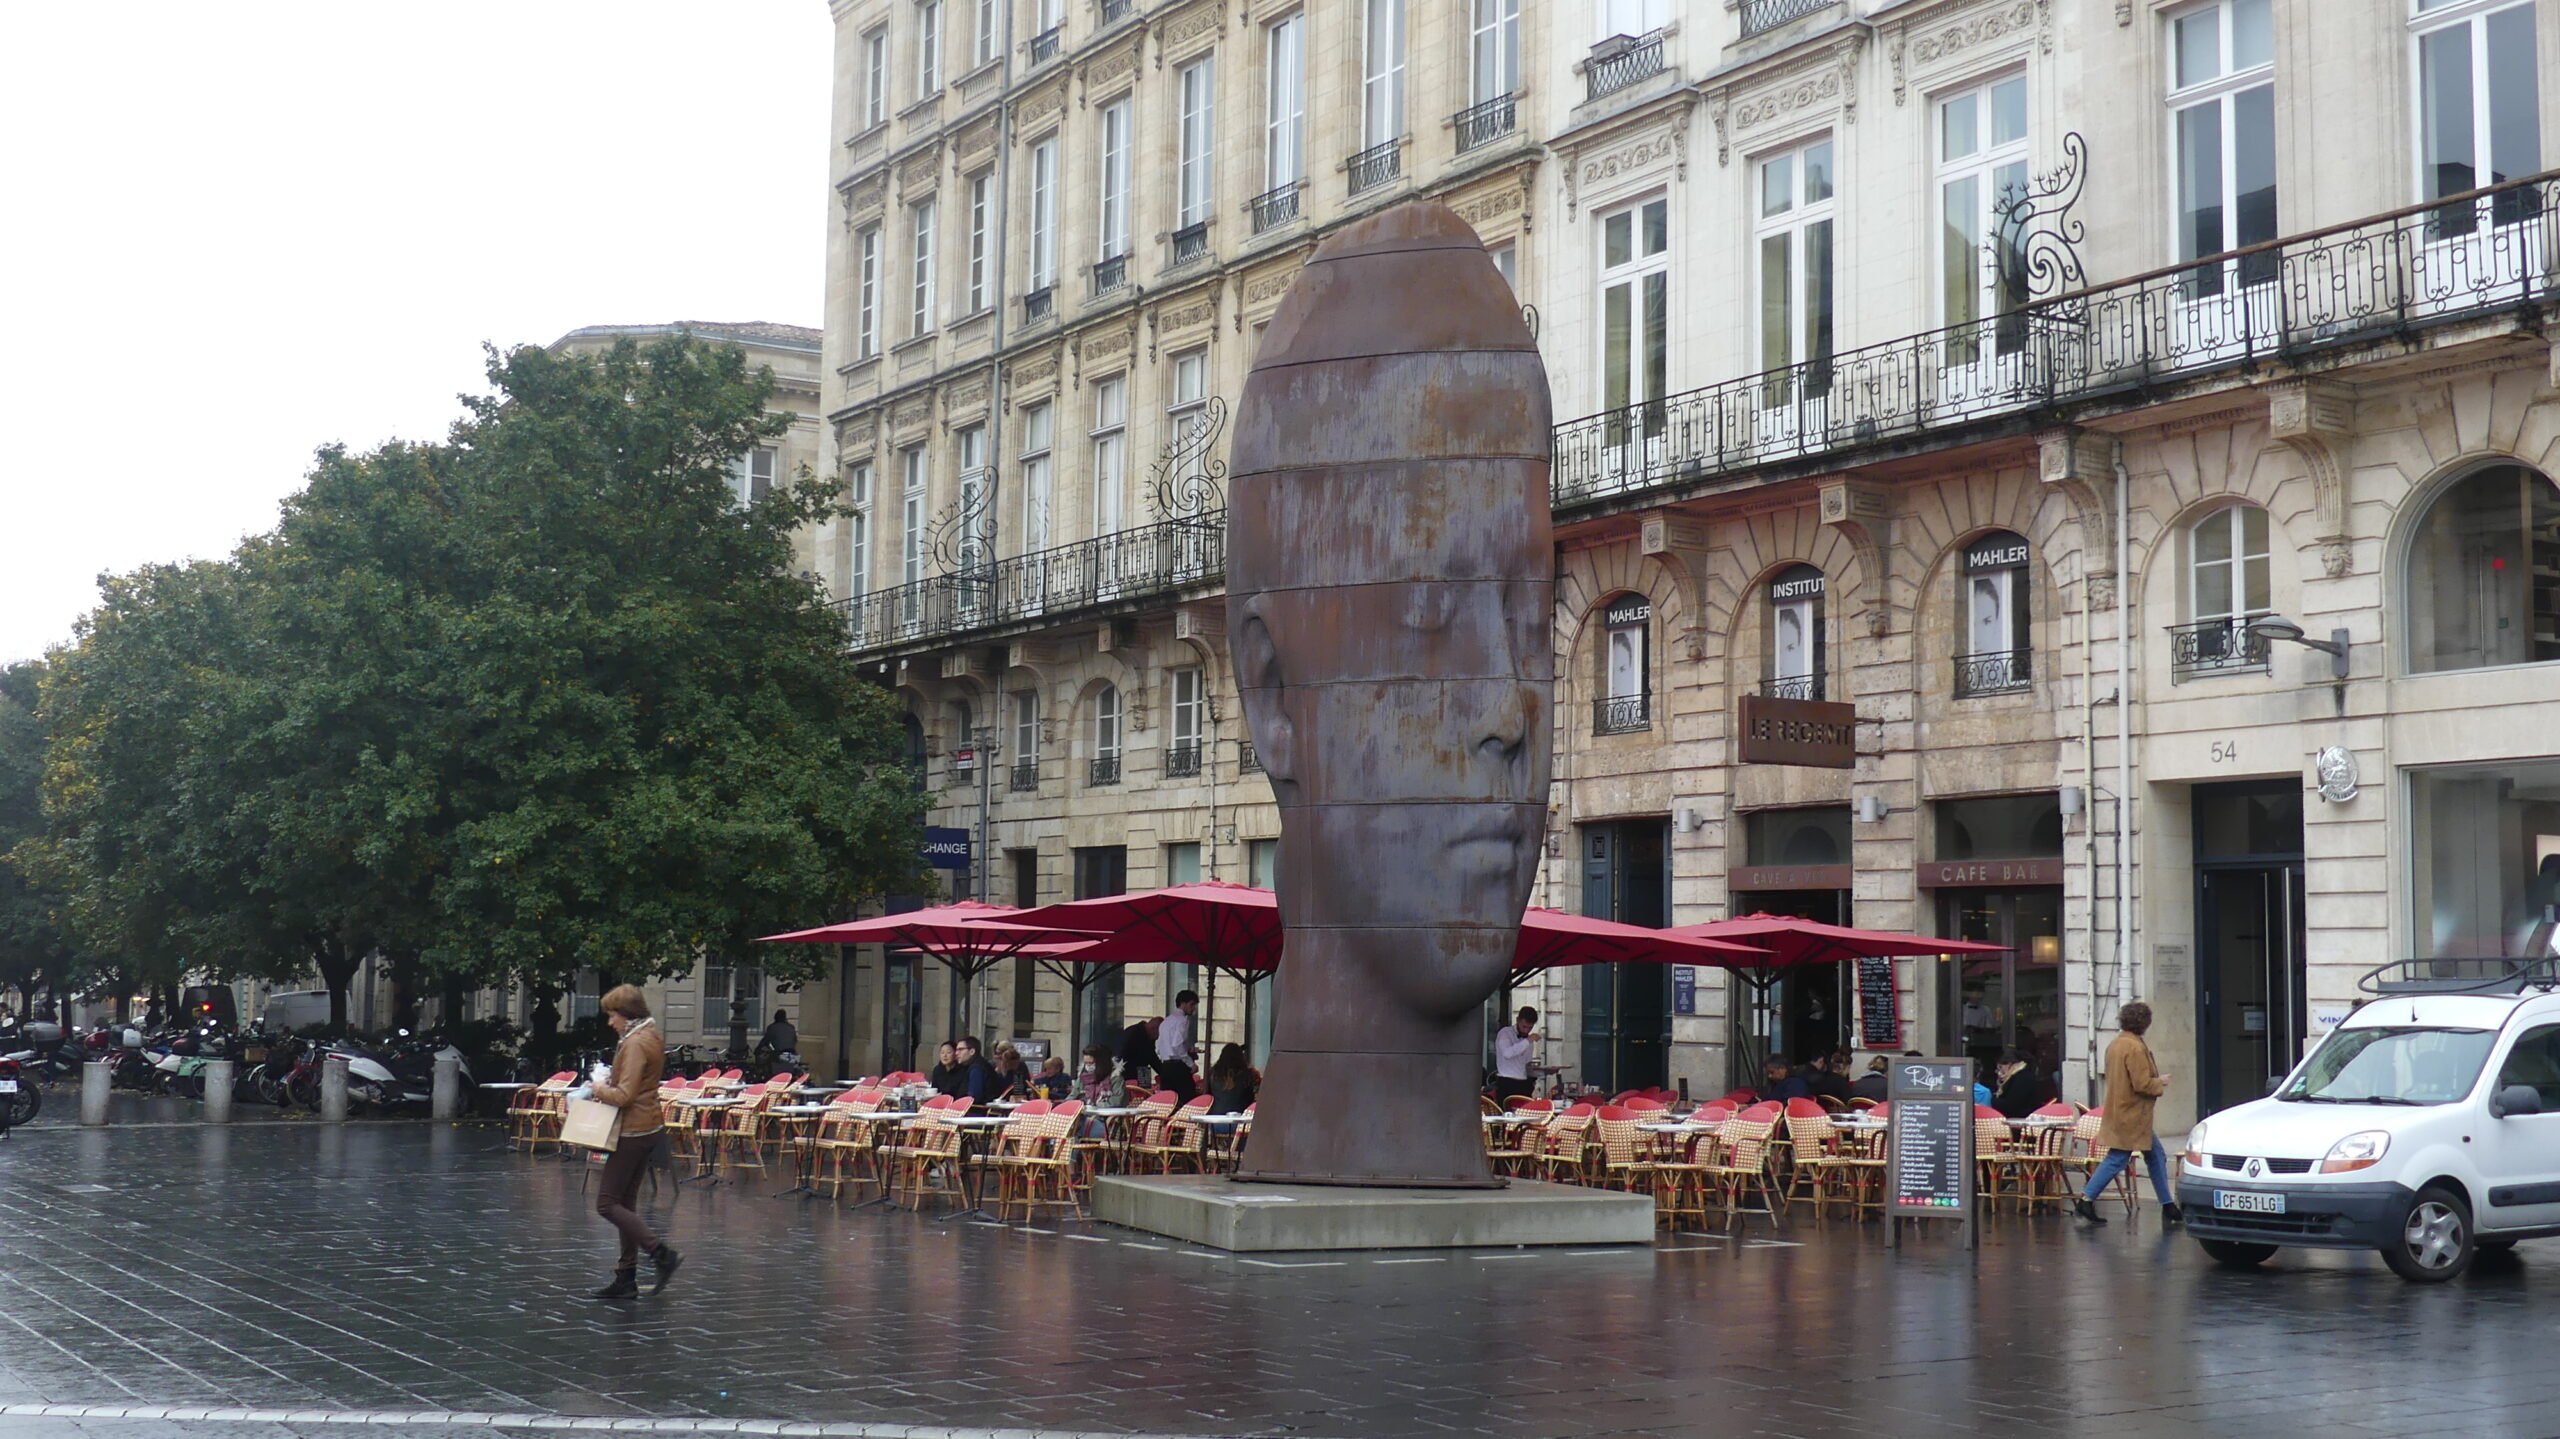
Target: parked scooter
{"x": 19, "y": 1099}
{"x": 401, "y": 1072}
{"x": 39, "y": 1052}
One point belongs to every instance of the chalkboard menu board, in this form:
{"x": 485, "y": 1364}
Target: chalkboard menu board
{"x": 1929, "y": 1151}
{"x": 1879, "y": 1005}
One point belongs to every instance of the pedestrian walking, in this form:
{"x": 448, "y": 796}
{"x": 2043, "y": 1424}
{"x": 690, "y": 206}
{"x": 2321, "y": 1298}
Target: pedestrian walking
{"x": 2134, "y": 1085}
{"x": 631, "y": 1085}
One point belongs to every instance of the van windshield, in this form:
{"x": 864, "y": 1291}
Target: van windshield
{"x": 2391, "y": 1066}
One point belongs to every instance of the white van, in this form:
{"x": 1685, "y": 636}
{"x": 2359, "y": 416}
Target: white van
{"x": 295, "y": 1009}
{"x": 2426, "y": 1126}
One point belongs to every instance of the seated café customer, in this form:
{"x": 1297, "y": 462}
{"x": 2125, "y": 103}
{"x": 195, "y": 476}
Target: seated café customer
{"x": 1779, "y": 1082}
{"x": 1013, "y": 1080}
{"x": 977, "y": 1077}
{"x": 1232, "y": 1082}
{"x": 1982, "y": 1085}
{"x": 1053, "y": 1084}
{"x": 1094, "y": 1084}
{"x": 2022, "y": 1090}
{"x": 947, "y": 1077}
{"x": 1871, "y": 1085}
{"x": 1821, "y": 1082}
{"x": 1138, "y": 1052}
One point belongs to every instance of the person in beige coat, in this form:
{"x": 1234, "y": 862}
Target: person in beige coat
{"x": 2134, "y": 1086}
{"x": 639, "y": 1062}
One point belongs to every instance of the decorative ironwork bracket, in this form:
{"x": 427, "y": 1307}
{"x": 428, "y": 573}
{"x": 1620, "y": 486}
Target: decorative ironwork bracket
{"x": 963, "y": 536}
{"x": 2035, "y": 235}
{"x": 1190, "y": 477}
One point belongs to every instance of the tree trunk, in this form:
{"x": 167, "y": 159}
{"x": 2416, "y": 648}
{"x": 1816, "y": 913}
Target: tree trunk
{"x": 337, "y": 971}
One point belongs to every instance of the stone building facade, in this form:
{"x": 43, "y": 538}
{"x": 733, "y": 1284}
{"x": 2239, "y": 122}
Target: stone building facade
{"x": 1992, "y": 367}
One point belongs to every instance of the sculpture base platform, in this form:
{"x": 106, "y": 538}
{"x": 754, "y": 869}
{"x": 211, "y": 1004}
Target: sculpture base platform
{"x": 1258, "y": 1218}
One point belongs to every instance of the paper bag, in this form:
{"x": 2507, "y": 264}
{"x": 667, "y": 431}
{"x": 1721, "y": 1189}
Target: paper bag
{"x": 592, "y": 1124}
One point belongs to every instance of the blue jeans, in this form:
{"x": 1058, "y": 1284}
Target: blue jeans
{"x": 2114, "y": 1164}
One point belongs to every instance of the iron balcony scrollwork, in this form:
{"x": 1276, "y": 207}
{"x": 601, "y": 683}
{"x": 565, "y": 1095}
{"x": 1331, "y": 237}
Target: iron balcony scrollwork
{"x": 1189, "y": 481}
{"x": 1995, "y": 672}
{"x": 2215, "y": 647}
{"x": 1482, "y": 124}
{"x": 1037, "y": 304}
{"x": 1190, "y": 243}
{"x": 1044, "y": 46}
{"x": 1102, "y": 770}
{"x": 1110, "y": 275}
{"x": 1248, "y": 760}
{"x": 1068, "y": 580}
{"x": 1622, "y": 61}
{"x": 1792, "y": 687}
{"x": 1275, "y": 206}
{"x": 1622, "y": 714}
{"x": 1115, "y": 11}
{"x": 1375, "y": 166}
{"x": 1025, "y": 778}
{"x": 1763, "y": 15}
{"x": 1182, "y": 761}
{"x": 2035, "y": 237}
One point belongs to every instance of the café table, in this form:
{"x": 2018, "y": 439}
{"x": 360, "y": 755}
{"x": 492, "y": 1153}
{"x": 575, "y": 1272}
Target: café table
{"x": 1225, "y": 1126}
{"x": 877, "y": 1126}
{"x": 802, "y": 1122}
{"x": 982, "y": 1128}
{"x": 1115, "y": 1124}
{"x": 704, "y": 1105}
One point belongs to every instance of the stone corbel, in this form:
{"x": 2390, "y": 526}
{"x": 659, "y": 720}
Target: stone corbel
{"x": 1718, "y": 107}
{"x": 2316, "y": 420}
{"x": 1680, "y": 541}
{"x": 1862, "y": 514}
{"x": 1844, "y": 54}
{"x": 2081, "y": 464}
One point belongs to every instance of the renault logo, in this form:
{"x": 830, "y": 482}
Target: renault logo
{"x": 2256, "y": 1169}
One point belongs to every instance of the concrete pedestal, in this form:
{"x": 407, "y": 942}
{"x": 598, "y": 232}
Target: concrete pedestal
{"x": 97, "y": 1078}
{"x": 446, "y": 1098}
{"x": 333, "y": 1089}
{"x": 217, "y": 1091}
{"x": 1247, "y": 1218}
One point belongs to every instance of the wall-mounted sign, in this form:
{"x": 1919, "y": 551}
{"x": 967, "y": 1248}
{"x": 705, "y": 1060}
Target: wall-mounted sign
{"x": 1879, "y": 1005}
{"x": 1684, "y": 989}
{"x": 1628, "y": 612}
{"x": 1800, "y": 583}
{"x": 1765, "y": 878}
{"x": 946, "y": 848}
{"x": 1989, "y": 873}
{"x": 964, "y": 759}
{"x": 1813, "y": 733}
{"x": 2335, "y": 765}
{"x": 1995, "y": 552}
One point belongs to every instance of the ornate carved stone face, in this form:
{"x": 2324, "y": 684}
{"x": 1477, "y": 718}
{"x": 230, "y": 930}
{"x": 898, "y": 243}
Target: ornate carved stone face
{"x": 1390, "y": 594}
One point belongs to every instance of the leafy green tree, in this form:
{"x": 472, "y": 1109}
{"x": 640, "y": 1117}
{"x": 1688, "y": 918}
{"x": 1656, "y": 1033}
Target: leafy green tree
{"x": 34, "y": 950}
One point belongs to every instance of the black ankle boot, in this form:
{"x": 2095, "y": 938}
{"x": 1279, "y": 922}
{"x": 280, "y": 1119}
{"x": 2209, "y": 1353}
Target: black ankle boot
{"x": 666, "y": 1259}
{"x": 2172, "y": 1214}
{"x": 625, "y": 1285}
{"x": 2082, "y": 1209}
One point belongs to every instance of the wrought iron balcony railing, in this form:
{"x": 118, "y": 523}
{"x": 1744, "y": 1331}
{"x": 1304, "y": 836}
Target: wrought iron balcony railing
{"x": 1376, "y": 165}
{"x": 1190, "y": 243}
{"x": 1479, "y": 124}
{"x": 1182, "y": 761}
{"x": 1997, "y": 673}
{"x": 1126, "y": 565}
{"x": 1110, "y": 275}
{"x": 1102, "y": 770}
{"x": 1037, "y": 304}
{"x": 1275, "y": 206}
{"x": 1044, "y": 46}
{"x": 1792, "y": 687}
{"x": 1026, "y": 776}
{"x": 1621, "y": 61}
{"x": 1247, "y": 760}
{"x": 1760, "y": 15}
{"x": 1114, "y": 11}
{"x": 1622, "y": 714}
{"x": 2381, "y": 278}
{"x": 2216, "y": 647}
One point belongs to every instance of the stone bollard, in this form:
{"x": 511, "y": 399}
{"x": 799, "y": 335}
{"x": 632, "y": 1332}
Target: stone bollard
{"x": 333, "y": 1089}
{"x": 217, "y": 1091}
{"x": 97, "y": 1078}
{"x": 447, "y": 1098}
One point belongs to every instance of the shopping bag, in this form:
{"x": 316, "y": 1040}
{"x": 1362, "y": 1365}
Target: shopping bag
{"x": 592, "y": 1124}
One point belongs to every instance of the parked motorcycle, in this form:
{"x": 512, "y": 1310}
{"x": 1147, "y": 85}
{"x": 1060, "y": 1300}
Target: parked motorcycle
{"x": 400, "y": 1071}
{"x": 19, "y": 1099}
{"x": 38, "y": 1049}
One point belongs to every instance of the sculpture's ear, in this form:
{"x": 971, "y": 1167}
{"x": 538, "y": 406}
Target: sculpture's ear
{"x": 1259, "y": 676}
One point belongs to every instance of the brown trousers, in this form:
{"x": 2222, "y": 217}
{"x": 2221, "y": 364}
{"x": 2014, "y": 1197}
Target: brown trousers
{"x": 623, "y": 1171}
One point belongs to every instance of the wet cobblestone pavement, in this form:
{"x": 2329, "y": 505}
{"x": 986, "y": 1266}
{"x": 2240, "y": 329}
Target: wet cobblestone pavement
{"x": 293, "y": 1280}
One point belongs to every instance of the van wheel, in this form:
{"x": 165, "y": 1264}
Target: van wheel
{"x": 2435, "y": 1241}
{"x": 2235, "y": 1255}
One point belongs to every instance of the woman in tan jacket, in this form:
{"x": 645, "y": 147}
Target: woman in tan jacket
{"x": 639, "y": 1062}
{"x": 2134, "y": 1085}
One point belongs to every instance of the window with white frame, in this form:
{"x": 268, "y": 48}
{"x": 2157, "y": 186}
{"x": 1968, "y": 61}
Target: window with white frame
{"x": 1506, "y": 259}
{"x": 1051, "y": 15}
{"x": 1994, "y": 599}
{"x": 1044, "y": 214}
{"x": 1190, "y": 383}
{"x": 2227, "y": 586}
{"x": 911, "y": 463}
{"x": 1796, "y": 640}
{"x": 875, "y": 78}
{"x": 1197, "y": 142}
{"x": 866, "y": 293}
{"x": 1114, "y": 210}
{"x": 1106, "y": 723}
{"x": 751, "y": 475}
{"x": 1632, "y": 17}
{"x": 1110, "y": 451}
{"x": 1284, "y": 120}
{"x": 1382, "y": 79}
{"x": 2222, "y": 119}
{"x": 928, "y": 48}
{"x": 1982, "y": 164}
{"x": 987, "y": 33}
{"x": 857, "y": 534}
{"x": 1635, "y": 307}
{"x": 1626, "y": 676}
{"x": 1036, "y": 421}
{"x": 1798, "y": 195}
{"x": 920, "y": 263}
{"x": 981, "y": 237}
{"x": 1026, "y": 729}
{"x": 974, "y": 479}
{"x": 1189, "y": 709}
{"x": 2479, "y": 107}
{"x": 1494, "y": 49}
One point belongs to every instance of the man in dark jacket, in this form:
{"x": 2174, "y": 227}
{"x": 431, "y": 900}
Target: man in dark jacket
{"x": 2022, "y": 1091}
{"x": 977, "y": 1077}
{"x": 1138, "y": 1052}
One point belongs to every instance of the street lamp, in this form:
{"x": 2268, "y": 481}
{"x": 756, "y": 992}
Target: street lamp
{"x": 2277, "y": 627}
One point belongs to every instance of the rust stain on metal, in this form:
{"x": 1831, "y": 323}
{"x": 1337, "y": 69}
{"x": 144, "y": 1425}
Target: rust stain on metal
{"x": 1390, "y": 587}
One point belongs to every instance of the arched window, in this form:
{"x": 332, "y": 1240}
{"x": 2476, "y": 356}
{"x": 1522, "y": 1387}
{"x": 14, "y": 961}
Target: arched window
{"x": 2484, "y": 573}
{"x": 1993, "y": 620}
{"x": 2227, "y": 586}
{"x": 1104, "y": 765}
{"x": 1626, "y": 674}
{"x": 1798, "y": 649}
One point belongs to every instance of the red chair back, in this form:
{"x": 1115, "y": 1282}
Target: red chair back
{"x": 1715, "y": 1113}
{"x": 1614, "y": 1113}
{"x": 1643, "y": 1105}
{"x": 2057, "y": 1110}
{"x": 1164, "y": 1096}
{"x": 1031, "y": 1109}
{"x": 1198, "y": 1104}
{"x": 1533, "y": 1106}
{"x": 1765, "y": 1112}
{"x": 1806, "y": 1109}
{"x": 1579, "y": 1109}
{"x": 1985, "y": 1111}
{"x": 1067, "y": 1108}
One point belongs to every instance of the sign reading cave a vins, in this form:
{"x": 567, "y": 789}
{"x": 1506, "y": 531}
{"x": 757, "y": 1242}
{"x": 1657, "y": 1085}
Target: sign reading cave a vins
{"x": 1814, "y": 733}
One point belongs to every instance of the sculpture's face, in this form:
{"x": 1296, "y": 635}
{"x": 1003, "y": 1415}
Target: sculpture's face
{"x": 1395, "y": 721}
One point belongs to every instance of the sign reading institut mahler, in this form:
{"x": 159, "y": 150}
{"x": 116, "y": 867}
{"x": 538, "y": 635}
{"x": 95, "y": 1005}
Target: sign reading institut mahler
{"x": 1799, "y": 732}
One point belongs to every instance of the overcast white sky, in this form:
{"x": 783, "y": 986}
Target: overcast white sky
{"x": 231, "y": 233}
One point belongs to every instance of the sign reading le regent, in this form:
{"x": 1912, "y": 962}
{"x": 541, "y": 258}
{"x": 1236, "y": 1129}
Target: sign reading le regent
{"x": 1799, "y": 732}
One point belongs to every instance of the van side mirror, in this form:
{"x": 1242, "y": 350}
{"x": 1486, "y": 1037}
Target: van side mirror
{"x": 2513, "y": 1100}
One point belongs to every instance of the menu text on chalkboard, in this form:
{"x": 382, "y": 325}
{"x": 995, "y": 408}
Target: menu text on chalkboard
{"x": 1929, "y": 1146}
{"x": 1879, "y": 1004}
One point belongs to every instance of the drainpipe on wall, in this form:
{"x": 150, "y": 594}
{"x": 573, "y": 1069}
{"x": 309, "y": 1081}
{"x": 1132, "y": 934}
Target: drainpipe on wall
{"x": 2124, "y": 733}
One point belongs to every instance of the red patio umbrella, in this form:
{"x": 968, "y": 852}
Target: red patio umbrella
{"x": 968, "y": 936}
{"x": 1233, "y": 929}
{"x": 1789, "y": 942}
{"x": 1554, "y": 938}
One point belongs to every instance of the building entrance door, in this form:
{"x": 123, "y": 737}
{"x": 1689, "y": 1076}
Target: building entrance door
{"x": 1626, "y": 1008}
{"x": 901, "y": 1012}
{"x": 2009, "y": 1001}
{"x": 2250, "y": 1015}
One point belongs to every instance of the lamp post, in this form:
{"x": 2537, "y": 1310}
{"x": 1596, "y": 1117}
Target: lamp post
{"x": 2277, "y": 627}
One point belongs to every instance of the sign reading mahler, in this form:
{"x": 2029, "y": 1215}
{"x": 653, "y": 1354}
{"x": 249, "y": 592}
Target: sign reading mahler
{"x": 1799, "y": 732}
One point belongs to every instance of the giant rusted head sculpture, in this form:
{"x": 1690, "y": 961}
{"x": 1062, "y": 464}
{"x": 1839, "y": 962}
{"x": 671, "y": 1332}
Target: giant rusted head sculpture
{"x": 1390, "y": 586}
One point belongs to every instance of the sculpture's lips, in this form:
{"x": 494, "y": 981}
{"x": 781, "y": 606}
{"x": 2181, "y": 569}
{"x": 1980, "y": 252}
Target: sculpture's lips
{"x": 1504, "y": 832}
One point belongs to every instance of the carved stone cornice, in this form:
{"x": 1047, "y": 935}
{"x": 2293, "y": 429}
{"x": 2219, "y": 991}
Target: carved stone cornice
{"x": 1643, "y": 143}
{"x": 1106, "y": 75}
{"x": 1924, "y": 40}
{"x": 921, "y": 171}
{"x": 977, "y": 141}
{"x": 1040, "y": 109}
{"x": 1181, "y": 35}
{"x": 911, "y": 414}
{"x": 1032, "y": 376}
{"x": 1487, "y": 203}
{"x": 1827, "y": 77}
{"x": 2316, "y": 420}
